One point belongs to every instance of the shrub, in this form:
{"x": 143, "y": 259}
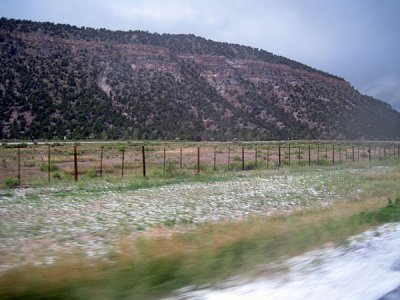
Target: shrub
{"x": 44, "y": 166}
{"x": 11, "y": 182}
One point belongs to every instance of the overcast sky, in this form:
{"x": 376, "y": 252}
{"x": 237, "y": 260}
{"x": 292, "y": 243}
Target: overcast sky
{"x": 358, "y": 40}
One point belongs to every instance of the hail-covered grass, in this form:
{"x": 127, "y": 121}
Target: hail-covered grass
{"x": 39, "y": 224}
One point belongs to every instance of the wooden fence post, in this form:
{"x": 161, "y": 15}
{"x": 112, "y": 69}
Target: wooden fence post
{"x": 309, "y": 155}
{"x": 317, "y": 154}
{"x": 267, "y": 157}
{"x": 353, "y": 153}
{"x": 333, "y": 154}
{"x": 48, "y": 163}
{"x": 143, "y": 161}
{"x": 75, "y": 163}
{"x": 289, "y": 154}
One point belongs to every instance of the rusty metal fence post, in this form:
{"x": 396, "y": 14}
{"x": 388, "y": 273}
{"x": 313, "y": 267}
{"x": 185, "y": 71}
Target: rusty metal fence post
{"x": 242, "y": 158}
{"x": 198, "y": 160}
{"x": 75, "y": 163}
{"x": 143, "y": 162}
{"x": 279, "y": 156}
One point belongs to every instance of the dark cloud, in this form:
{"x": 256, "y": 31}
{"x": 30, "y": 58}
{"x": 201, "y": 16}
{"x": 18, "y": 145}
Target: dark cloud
{"x": 355, "y": 39}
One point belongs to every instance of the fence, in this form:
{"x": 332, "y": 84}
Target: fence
{"x": 35, "y": 163}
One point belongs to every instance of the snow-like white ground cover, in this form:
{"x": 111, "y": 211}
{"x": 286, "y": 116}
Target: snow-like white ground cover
{"x": 368, "y": 268}
{"x": 36, "y": 224}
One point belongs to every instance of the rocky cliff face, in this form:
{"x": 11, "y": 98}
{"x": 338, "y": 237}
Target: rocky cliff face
{"x": 60, "y": 80}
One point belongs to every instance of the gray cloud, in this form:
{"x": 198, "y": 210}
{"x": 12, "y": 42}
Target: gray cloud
{"x": 355, "y": 39}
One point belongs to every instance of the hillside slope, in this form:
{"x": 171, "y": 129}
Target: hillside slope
{"x": 60, "y": 80}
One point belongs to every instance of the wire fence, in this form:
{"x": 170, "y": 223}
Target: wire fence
{"x": 26, "y": 164}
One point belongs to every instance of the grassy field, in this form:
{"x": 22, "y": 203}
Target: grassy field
{"x": 33, "y": 164}
{"x": 144, "y": 237}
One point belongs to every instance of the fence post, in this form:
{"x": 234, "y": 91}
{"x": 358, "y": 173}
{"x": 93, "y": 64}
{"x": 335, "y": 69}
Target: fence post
{"x": 333, "y": 154}
{"x": 255, "y": 156}
{"x": 340, "y": 153}
{"x": 242, "y": 158}
{"x": 180, "y": 158}
{"x": 309, "y": 155}
{"x": 101, "y": 161}
{"x": 267, "y": 157}
{"x": 229, "y": 157}
{"x": 279, "y": 156}
{"x": 215, "y": 158}
{"x": 75, "y": 163}
{"x": 317, "y": 154}
{"x": 164, "y": 159}
{"x": 289, "y": 154}
{"x": 48, "y": 161}
{"x": 384, "y": 151}
{"x": 143, "y": 162}
{"x": 398, "y": 151}
{"x": 353, "y": 153}
{"x": 369, "y": 153}
{"x": 123, "y": 160}
{"x": 198, "y": 160}
{"x": 19, "y": 165}
{"x": 358, "y": 152}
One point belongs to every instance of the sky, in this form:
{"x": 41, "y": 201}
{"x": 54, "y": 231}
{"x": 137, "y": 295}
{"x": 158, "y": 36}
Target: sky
{"x": 358, "y": 40}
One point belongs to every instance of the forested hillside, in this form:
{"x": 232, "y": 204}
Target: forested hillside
{"x": 61, "y": 81}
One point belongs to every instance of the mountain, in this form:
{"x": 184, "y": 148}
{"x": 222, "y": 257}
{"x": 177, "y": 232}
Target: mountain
{"x": 61, "y": 80}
